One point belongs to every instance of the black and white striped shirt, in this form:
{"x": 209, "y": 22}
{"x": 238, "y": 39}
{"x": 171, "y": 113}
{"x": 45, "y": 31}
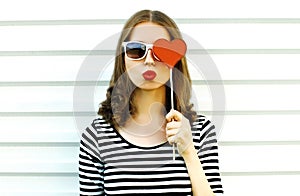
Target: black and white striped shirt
{"x": 110, "y": 165}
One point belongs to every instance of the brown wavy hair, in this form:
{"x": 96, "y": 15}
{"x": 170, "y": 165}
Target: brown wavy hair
{"x": 119, "y": 105}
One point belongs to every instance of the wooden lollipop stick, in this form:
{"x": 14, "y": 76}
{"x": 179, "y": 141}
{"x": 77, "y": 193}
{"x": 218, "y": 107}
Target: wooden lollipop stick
{"x": 171, "y": 84}
{"x": 172, "y": 104}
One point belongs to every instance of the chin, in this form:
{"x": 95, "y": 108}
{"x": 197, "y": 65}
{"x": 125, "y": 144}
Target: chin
{"x": 150, "y": 85}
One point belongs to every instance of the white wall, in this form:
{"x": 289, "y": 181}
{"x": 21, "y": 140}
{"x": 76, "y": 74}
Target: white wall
{"x": 254, "y": 44}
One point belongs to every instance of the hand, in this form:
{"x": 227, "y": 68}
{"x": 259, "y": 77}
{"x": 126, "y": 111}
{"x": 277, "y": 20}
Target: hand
{"x": 178, "y": 130}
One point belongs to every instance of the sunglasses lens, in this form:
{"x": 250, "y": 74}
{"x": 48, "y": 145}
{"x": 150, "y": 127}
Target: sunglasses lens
{"x": 135, "y": 50}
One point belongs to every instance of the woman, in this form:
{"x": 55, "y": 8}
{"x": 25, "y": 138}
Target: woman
{"x": 128, "y": 149}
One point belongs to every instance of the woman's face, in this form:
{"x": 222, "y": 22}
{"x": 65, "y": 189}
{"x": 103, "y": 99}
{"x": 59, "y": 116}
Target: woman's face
{"x": 148, "y": 73}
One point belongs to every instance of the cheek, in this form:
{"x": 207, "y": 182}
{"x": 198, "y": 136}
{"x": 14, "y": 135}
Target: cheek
{"x": 133, "y": 71}
{"x": 164, "y": 72}
{"x": 133, "y": 66}
{"x": 128, "y": 64}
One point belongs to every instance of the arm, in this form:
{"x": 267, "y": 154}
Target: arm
{"x": 201, "y": 159}
{"x": 90, "y": 166}
{"x": 200, "y": 185}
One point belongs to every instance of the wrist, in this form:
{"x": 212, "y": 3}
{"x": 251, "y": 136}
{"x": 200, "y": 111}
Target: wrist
{"x": 190, "y": 153}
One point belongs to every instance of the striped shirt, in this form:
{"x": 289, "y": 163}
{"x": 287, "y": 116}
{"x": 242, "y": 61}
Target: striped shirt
{"x": 110, "y": 165}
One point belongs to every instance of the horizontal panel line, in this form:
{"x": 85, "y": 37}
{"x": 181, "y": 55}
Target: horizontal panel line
{"x": 57, "y": 53}
{"x": 62, "y": 22}
{"x": 76, "y": 144}
{"x": 55, "y": 83}
{"x": 70, "y": 114}
{"x": 45, "y": 114}
{"x": 257, "y": 143}
{"x": 244, "y": 82}
{"x": 262, "y": 173}
{"x": 248, "y": 51}
{"x": 112, "y": 52}
{"x": 39, "y": 174}
{"x": 75, "y": 174}
{"x": 110, "y": 21}
{"x": 237, "y": 20}
{"x": 106, "y": 82}
{"x": 256, "y": 112}
{"x": 40, "y": 144}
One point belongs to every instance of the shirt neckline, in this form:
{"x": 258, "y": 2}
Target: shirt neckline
{"x": 137, "y": 146}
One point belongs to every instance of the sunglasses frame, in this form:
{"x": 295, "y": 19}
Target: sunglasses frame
{"x": 148, "y": 46}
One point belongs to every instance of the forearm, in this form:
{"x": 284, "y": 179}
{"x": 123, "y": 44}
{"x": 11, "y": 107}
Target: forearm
{"x": 200, "y": 185}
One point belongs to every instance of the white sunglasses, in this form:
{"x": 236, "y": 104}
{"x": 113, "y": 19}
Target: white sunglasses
{"x": 136, "y": 50}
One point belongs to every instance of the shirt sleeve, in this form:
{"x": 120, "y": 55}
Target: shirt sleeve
{"x": 206, "y": 140}
{"x": 90, "y": 165}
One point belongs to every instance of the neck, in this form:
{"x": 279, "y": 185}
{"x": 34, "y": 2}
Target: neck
{"x": 149, "y": 104}
{"x": 149, "y": 120}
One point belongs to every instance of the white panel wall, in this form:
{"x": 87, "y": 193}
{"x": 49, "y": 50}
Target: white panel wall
{"x": 254, "y": 44}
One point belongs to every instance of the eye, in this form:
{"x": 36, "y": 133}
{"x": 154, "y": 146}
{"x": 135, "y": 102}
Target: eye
{"x": 143, "y": 47}
{"x": 135, "y": 50}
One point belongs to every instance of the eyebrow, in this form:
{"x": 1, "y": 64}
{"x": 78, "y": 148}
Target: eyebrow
{"x": 138, "y": 41}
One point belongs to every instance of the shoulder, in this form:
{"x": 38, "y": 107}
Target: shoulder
{"x": 202, "y": 129}
{"x": 201, "y": 123}
{"x": 92, "y": 131}
{"x": 89, "y": 141}
{"x": 99, "y": 123}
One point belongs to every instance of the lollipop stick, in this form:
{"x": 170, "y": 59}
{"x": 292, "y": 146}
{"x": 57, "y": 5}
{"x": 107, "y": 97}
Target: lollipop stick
{"x": 172, "y": 104}
{"x": 171, "y": 84}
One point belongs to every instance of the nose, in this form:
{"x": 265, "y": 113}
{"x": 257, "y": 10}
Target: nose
{"x": 149, "y": 58}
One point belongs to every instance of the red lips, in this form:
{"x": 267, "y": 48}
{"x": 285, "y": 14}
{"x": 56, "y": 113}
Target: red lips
{"x": 149, "y": 75}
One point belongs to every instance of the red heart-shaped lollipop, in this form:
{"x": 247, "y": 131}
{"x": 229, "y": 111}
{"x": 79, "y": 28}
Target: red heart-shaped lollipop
{"x": 169, "y": 52}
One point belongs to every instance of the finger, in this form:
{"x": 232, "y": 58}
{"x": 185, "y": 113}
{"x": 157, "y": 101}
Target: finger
{"x": 172, "y": 132}
{"x": 169, "y": 116}
{"x": 173, "y": 115}
{"x": 171, "y": 139}
{"x": 173, "y": 125}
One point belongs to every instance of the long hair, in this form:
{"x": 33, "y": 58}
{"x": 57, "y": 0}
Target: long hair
{"x": 119, "y": 105}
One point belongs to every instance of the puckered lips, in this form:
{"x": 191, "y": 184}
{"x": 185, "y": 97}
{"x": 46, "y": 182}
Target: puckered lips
{"x": 149, "y": 75}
